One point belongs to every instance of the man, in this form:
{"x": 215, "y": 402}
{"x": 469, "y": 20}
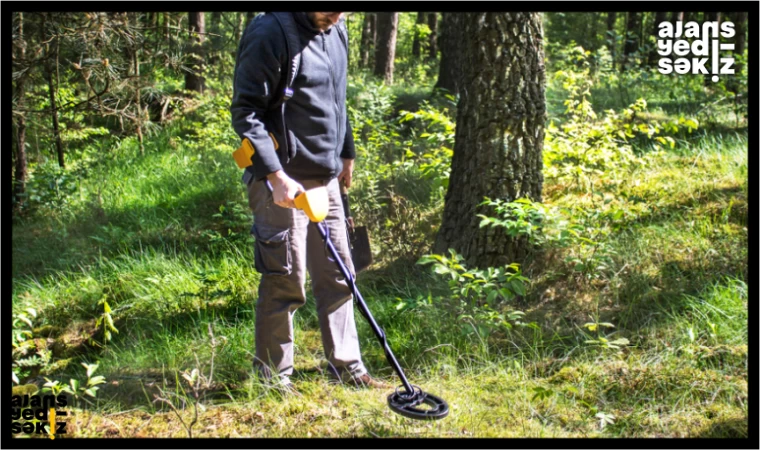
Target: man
{"x": 320, "y": 152}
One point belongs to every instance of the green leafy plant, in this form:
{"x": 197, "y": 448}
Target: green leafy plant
{"x": 77, "y": 389}
{"x": 481, "y": 296}
{"x": 604, "y": 341}
{"x": 587, "y": 146}
{"x": 106, "y": 321}
{"x": 491, "y": 285}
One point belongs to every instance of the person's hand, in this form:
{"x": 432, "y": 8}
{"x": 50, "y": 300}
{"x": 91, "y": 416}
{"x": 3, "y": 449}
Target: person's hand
{"x": 284, "y": 189}
{"x": 347, "y": 172}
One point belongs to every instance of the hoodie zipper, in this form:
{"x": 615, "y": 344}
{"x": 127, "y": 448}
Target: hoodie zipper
{"x": 332, "y": 83}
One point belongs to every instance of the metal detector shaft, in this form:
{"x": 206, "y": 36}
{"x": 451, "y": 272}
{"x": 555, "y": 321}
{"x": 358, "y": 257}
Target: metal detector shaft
{"x": 363, "y": 307}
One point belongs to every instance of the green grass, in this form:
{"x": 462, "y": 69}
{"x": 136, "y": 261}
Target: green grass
{"x": 168, "y": 246}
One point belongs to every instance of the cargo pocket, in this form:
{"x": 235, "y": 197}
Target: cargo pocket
{"x": 272, "y": 251}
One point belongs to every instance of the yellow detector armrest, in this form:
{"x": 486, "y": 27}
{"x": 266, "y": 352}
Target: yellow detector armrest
{"x": 245, "y": 152}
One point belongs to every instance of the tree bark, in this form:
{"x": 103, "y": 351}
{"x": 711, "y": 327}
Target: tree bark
{"x": 374, "y": 35}
{"x": 416, "y": 44}
{"x": 138, "y": 101}
{"x": 54, "y": 112}
{"x": 387, "y": 24}
{"x": 712, "y": 17}
{"x": 433, "y": 25}
{"x": 741, "y": 39}
{"x": 611, "y": 18}
{"x": 451, "y": 60}
{"x": 653, "y": 55}
{"x": 499, "y": 133}
{"x": 47, "y": 70}
{"x": 676, "y": 17}
{"x": 631, "y": 39}
{"x": 20, "y": 173}
{"x": 167, "y": 22}
{"x": 242, "y": 22}
{"x": 194, "y": 80}
{"x": 367, "y": 40}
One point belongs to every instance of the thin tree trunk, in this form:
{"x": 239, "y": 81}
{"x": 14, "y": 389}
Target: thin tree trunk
{"x": 653, "y": 55}
{"x": 373, "y": 40}
{"x": 54, "y": 112}
{"x": 52, "y": 90}
{"x": 366, "y": 39}
{"x": 676, "y": 17}
{"x": 20, "y": 163}
{"x": 138, "y": 102}
{"x": 733, "y": 84}
{"x": 194, "y": 80}
{"x": 387, "y": 23}
{"x": 741, "y": 39}
{"x": 433, "y": 46}
{"x": 712, "y": 17}
{"x": 167, "y": 22}
{"x": 631, "y": 39}
{"x": 242, "y": 22}
{"x": 500, "y": 133}
{"x": 611, "y": 18}
{"x": 416, "y": 44}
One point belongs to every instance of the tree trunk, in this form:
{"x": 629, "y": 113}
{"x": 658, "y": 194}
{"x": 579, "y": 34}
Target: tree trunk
{"x": 712, "y": 17}
{"x": 611, "y": 18}
{"x": 194, "y": 80}
{"x": 20, "y": 166}
{"x": 367, "y": 40}
{"x": 594, "y": 32}
{"x": 676, "y": 17}
{"x": 631, "y": 39}
{"x": 167, "y": 22}
{"x": 416, "y": 44}
{"x": 653, "y": 55}
{"x": 499, "y": 133}
{"x": 387, "y": 24}
{"x": 54, "y": 112}
{"x": 138, "y": 102}
{"x": 451, "y": 60}
{"x": 215, "y": 27}
{"x": 242, "y": 22}
{"x": 52, "y": 90}
{"x": 374, "y": 35}
{"x": 741, "y": 39}
{"x": 433, "y": 25}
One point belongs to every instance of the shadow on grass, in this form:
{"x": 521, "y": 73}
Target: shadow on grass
{"x": 180, "y": 226}
{"x": 734, "y": 428}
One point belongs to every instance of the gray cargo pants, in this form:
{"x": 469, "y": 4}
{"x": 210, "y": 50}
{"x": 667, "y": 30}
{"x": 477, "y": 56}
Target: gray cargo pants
{"x": 287, "y": 244}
